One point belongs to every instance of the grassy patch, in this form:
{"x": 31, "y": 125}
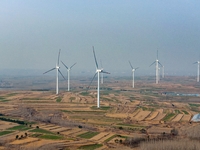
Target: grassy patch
{"x": 185, "y": 112}
{"x": 59, "y": 99}
{"x": 84, "y": 93}
{"x": 41, "y": 131}
{"x": 147, "y": 109}
{"x": 177, "y": 111}
{"x": 129, "y": 125}
{"x": 5, "y": 132}
{"x": 3, "y": 99}
{"x": 51, "y": 137}
{"x": 36, "y": 135}
{"x": 194, "y": 105}
{"x": 11, "y": 94}
{"x": 110, "y": 138}
{"x": 66, "y": 111}
{"x": 168, "y": 116}
{"x": 88, "y": 135}
{"x": 101, "y": 108}
{"x": 20, "y": 127}
{"x": 12, "y": 120}
{"x": 90, "y": 147}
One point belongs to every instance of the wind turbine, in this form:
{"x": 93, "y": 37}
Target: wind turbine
{"x": 57, "y": 70}
{"x": 133, "y": 70}
{"x": 198, "y": 62}
{"x": 98, "y": 71}
{"x": 157, "y": 68}
{"x": 68, "y": 71}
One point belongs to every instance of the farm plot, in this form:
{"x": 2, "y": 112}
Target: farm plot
{"x": 25, "y": 141}
{"x": 160, "y": 115}
{"x": 186, "y": 118}
{"x": 178, "y": 118}
{"x": 99, "y": 136}
{"x": 71, "y": 131}
{"x": 142, "y": 115}
{"x": 5, "y": 125}
{"x": 52, "y": 127}
{"x": 61, "y": 129}
{"x": 159, "y": 130}
{"x": 40, "y": 143}
{"x": 152, "y": 116}
{"x": 118, "y": 115}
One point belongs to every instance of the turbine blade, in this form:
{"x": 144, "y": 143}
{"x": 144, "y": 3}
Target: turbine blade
{"x": 49, "y": 70}
{"x": 152, "y": 64}
{"x": 64, "y": 64}
{"x": 91, "y": 81}
{"x": 95, "y": 58}
{"x": 73, "y": 65}
{"x": 105, "y": 72}
{"x": 58, "y": 57}
{"x": 160, "y": 63}
{"x": 195, "y": 62}
{"x": 61, "y": 73}
{"x": 130, "y": 65}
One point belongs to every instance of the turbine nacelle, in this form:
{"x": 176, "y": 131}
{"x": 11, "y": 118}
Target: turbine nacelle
{"x": 99, "y": 70}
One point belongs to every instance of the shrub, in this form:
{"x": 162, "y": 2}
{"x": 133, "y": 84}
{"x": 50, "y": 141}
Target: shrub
{"x": 17, "y": 136}
{"x": 134, "y": 141}
{"x": 116, "y": 140}
{"x": 120, "y": 141}
{"x": 37, "y": 127}
{"x": 121, "y": 128}
{"x": 174, "y": 132}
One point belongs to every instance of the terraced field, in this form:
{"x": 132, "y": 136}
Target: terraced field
{"x": 70, "y": 120}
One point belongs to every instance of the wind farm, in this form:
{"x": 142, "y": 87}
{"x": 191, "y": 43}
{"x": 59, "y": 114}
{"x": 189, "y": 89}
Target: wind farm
{"x": 36, "y": 117}
{"x": 86, "y": 75}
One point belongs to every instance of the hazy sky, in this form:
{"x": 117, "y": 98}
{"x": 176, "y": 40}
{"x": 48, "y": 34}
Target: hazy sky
{"x": 33, "y": 31}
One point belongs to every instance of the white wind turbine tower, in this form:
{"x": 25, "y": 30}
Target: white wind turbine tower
{"x": 98, "y": 71}
{"x": 159, "y": 74}
{"x": 157, "y": 68}
{"x": 198, "y": 62}
{"x": 68, "y": 72}
{"x": 163, "y": 72}
{"x": 57, "y": 70}
{"x": 133, "y": 71}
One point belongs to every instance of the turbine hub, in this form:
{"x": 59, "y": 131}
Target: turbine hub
{"x": 99, "y": 70}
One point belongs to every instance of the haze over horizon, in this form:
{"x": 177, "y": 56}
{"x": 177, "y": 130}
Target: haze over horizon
{"x": 32, "y": 32}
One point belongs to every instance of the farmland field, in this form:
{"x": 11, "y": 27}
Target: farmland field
{"x": 70, "y": 120}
